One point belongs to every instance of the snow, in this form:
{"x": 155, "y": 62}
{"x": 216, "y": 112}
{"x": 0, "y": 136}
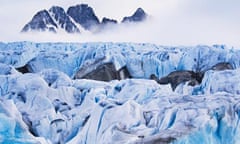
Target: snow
{"x": 48, "y": 106}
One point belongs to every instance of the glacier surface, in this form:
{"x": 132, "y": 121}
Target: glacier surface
{"x": 49, "y": 106}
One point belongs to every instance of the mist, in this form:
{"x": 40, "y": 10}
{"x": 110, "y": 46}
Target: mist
{"x": 170, "y": 22}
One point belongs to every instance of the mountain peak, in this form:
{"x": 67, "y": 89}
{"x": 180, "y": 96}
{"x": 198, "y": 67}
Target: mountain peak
{"x": 139, "y": 12}
{"x": 80, "y": 15}
{"x": 83, "y": 15}
{"x": 41, "y": 21}
{"x": 138, "y": 16}
{"x": 63, "y": 19}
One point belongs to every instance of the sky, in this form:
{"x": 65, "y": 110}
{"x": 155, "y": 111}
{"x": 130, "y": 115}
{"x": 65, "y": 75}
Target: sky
{"x": 171, "y": 22}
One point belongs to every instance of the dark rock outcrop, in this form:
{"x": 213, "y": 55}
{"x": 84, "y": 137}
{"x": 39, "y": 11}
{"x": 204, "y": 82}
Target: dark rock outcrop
{"x": 123, "y": 73}
{"x": 105, "y": 72}
{"x": 193, "y": 78}
{"x": 23, "y": 69}
{"x": 102, "y": 72}
{"x": 177, "y": 77}
{"x": 106, "y": 21}
{"x": 222, "y": 66}
{"x": 42, "y": 21}
{"x": 63, "y": 19}
{"x": 138, "y": 16}
{"x": 84, "y": 15}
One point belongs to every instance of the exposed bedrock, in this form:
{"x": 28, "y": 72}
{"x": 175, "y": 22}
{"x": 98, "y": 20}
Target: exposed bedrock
{"x": 222, "y": 66}
{"x": 193, "y": 78}
{"x": 177, "y": 77}
{"x": 103, "y": 72}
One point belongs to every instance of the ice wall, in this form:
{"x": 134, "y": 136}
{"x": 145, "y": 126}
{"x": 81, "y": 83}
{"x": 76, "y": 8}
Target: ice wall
{"x": 48, "y": 106}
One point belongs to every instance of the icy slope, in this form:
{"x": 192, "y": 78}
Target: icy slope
{"x": 48, "y": 106}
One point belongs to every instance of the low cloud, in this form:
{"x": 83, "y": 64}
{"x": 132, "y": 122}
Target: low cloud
{"x": 170, "y": 22}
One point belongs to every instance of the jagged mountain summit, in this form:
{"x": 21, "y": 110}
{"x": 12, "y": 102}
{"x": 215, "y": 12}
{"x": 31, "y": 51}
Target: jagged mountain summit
{"x": 84, "y": 15}
{"x": 81, "y": 15}
{"x": 51, "y": 20}
{"x": 63, "y": 20}
{"x": 42, "y": 21}
{"x": 138, "y": 16}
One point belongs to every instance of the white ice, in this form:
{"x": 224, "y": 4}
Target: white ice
{"x": 48, "y": 106}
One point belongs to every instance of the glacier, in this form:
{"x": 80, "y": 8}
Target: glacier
{"x": 47, "y": 105}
